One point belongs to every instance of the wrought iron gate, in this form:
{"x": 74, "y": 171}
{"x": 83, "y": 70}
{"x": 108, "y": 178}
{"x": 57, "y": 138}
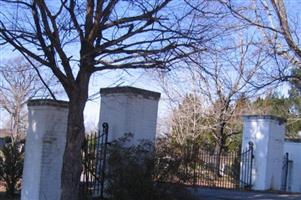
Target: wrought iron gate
{"x": 285, "y": 172}
{"x": 246, "y": 166}
{"x": 94, "y": 153}
{"x": 232, "y": 170}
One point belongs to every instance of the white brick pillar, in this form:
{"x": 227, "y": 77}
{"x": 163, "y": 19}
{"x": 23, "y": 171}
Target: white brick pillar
{"x": 129, "y": 109}
{"x": 44, "y": 148}
{"x": 266, "y": 132}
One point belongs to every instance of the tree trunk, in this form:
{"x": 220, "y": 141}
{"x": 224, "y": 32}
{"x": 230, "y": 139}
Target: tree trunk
{"x": 219, "y": 148}
{"x": 72, "y": 165}
{"x": 72, "y": 156}
{"x": 217, "y": 154}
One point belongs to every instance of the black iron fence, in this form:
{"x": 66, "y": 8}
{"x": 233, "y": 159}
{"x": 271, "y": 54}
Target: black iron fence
{"x": 94, "y": 164}
{"x": 230, "y": 170}
{"x": 285, "y": 172}
{"x": 246, "y": 167}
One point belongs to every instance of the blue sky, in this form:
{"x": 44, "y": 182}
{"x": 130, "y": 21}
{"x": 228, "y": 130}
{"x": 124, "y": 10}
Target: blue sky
{"x": 137, "y": 78}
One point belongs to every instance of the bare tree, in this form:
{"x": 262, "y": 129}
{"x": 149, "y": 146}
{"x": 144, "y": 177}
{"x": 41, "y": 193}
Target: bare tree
{"x": 224, "y": 85}
{"x": 279, "y": 31}
{"x": 75, "y": 39}
{"x": 221, "y": 80}
{"x": 268, "y": 32}
{"x": 186, "y": 120}
{"x": 19, "y": 84}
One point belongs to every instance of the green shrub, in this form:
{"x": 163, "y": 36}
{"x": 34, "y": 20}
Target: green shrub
{"x": 137, "y": 172}
{"x": 11, "y": 167}
{"x": 7, "y": 139}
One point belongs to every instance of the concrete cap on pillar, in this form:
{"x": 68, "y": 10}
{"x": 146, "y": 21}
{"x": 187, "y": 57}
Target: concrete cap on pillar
{"x": 131, "y": 90}
{"x": 271, "y": 117}
{"x": 48, "y": 102}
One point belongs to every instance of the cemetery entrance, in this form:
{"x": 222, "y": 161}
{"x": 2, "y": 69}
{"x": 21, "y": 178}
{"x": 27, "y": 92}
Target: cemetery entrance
{"x": 232, "y": 170}
{"x": 94, "y": 152}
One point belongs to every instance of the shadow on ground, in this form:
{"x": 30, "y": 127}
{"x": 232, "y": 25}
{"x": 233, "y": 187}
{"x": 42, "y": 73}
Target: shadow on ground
{"x": 220, "y": 194}
{"x": 4, "y": 197}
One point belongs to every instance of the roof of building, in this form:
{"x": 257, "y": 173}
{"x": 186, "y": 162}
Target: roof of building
{"x": 48, "y": 102}
{"x": 272, "y": 117}
{"x": 131, "y": 90}
{"x": 296, "y": 140}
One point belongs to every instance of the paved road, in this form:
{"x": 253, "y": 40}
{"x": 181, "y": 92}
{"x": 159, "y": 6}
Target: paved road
{"x": 220, "y": 194}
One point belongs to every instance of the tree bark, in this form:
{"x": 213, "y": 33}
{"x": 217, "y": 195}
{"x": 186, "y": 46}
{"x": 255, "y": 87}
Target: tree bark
{"x": 72, "y": 165}
{"x": 217, "y": 154}
{"x": 219, "y": 148}
{"x": 72, "y": 156}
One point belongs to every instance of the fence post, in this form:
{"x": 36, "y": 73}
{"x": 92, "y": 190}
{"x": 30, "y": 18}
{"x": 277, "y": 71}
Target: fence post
{"x": 251, "y": 148}
{"x": 129, "y": 110}
{"x": 44, "y": 149}
{"x": 285, "y": 166}
{"x": 105, "y": 127}
{"x": 267, "y": 134}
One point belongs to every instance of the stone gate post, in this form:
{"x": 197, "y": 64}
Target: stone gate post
{"x": 44, "y": 148}
{"x": 266, "y": 132}
{"x": 129, "y": 109}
